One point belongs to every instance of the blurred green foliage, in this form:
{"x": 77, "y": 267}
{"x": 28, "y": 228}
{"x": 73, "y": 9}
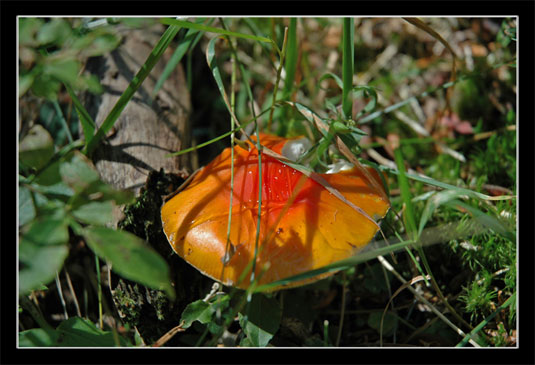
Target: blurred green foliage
{"x": 52, "y": 51}
{"x": 61, "y": 191}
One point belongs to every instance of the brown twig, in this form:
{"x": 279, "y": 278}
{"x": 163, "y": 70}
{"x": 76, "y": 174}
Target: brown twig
{"x": 71, "y": 289}
{"x": 169, "y": 335}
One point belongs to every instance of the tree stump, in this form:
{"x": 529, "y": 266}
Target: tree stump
{"x": 149, "y": 127}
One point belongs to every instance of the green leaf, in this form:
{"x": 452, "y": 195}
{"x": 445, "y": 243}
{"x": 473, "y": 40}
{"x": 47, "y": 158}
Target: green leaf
{"x": 59, "y": 189}
{"x": 47, "y": 204}
{"x": 48, "y": 181}
{"x": 39, "y": 264}
{"x": 212, "y": 63}
{"x": 92, "y": 83}
{"x": 49, "y": 175}
{"x": 45, "y": 86}
{"x": 110, "y": 193}
{"x": 25, "y": 82}
{"x": 99, "y": 213}
{"x": 37, "y": 337}
{"x": 28, "y": 28}
{"x": 36, "y": 148}
{"x": 73, "y": 332}
{"x": 246, "y": 342}
{"x": 130, "y": 257}
{"x": 389, "y": 323}
{"x": 102, "y": 44}
{"x": 368, "y": 92}
{"x": 95, "y": 43}
{"x": 26, "y": 206}
{"x": 55, "y": 31}
{"x": 81, "y": 332}
{"x": 197, "y": 311}
{"x": 375, "y": 279}
{"x": 99, "y": 191}
{"x": 47, "y": 231}
{"x": 64, "y": 70}
{"x": 262, "y": 320}
{"x": 510, "y": 116}
{"x": 77, "y": 171}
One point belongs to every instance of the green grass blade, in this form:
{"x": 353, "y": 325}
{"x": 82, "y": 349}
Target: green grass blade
{"x": 430, "y": 236}
{"x": 337, "y": 266}
{"x": 266, "y": 50}
{"x": 88, "y": 125}
{"x": 205, "y": 28}
{"x": 232, "y": 142}
{"x": 220, "y": 137}
{"x": 290, "y": 65}
{"x": 437, "y": 199}
{"x": 410, "y": 218}
{"x": 276, "y": 87}
{"x": 212, "y": 63}
{"x": 191, "y": 38}
{"x": 62, "y": 120}
{"x": 402, "y": 103}
{"x": 207, "y": 143}
{"x": 408, "y": 213}
{"x": 134, "y": 85}
{"x": 440, "y": 184}
{"x": 99, "y": 292}
{"x": 410, "y": 223}
{"x": 347, "y": 67}
{"x": 335, "y": 77}
{"x": 485, "y": 219}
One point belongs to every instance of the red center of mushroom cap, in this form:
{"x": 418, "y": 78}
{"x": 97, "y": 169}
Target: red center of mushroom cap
{"x": 302, "y": 225}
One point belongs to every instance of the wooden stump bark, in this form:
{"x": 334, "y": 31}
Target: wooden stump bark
{"x": 149, "y": 127}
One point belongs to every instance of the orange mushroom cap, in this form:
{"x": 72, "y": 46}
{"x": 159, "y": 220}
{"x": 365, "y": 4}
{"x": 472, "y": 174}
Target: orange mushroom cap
{"x": 298, "y": 233}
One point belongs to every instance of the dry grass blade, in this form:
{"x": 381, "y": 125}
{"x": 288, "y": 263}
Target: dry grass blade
{"x": 400, "y": 289}
{"x": 389, "y": 267}
{"x": 420, "y": 24}
{"x": 182, "y": 186}
{"x": 169, "y": 335}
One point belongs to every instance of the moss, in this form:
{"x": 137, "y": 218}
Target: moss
{"x": 127, "y": 306}
{"x": 149, "y": 310}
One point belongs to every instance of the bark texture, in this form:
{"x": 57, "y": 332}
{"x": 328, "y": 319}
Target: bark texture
{"x": 149, "y": 127}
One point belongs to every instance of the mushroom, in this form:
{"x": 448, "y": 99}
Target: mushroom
{"x": 299, "y": 230}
